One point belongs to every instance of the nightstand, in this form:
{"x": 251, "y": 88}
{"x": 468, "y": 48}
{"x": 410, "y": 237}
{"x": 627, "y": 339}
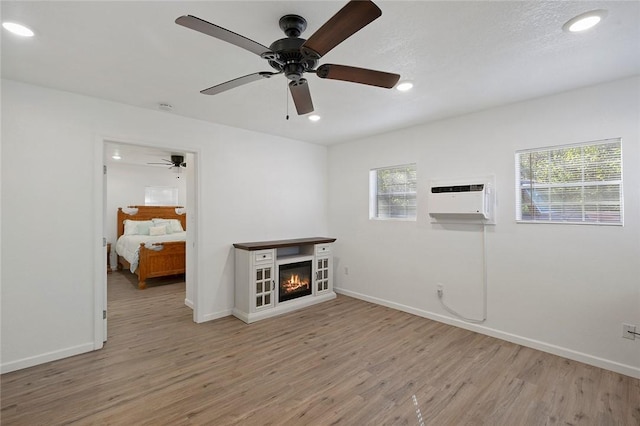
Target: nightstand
{"x": 108, "y": 258}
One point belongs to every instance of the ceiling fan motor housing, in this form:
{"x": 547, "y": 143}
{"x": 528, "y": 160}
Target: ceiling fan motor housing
{"x": 293, "y": 25}
{"x": 177, "y": 160}
{"x": 289, "y": 59}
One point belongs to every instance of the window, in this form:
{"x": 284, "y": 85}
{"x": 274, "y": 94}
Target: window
{"x": 579, "y": 183}
{"x": 393, "y": 192}
{"x": 160, "y": 196}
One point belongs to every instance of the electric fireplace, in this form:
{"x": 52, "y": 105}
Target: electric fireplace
{"x": 294, "y": 280}
{"x": 276, "y": 277}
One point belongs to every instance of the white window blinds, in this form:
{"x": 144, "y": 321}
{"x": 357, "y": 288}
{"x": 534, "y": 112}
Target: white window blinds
{"x": 393, "y": 192}
{"x": 579, "y": 183}
{"x": 160, "y": 196}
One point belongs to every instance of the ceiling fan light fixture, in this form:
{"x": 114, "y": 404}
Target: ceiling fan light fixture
{"x": 314, "y": 117}
{"x": 18, "y": 29}
{"x": 404, "y": 86}
{"x": 584, "y": 21}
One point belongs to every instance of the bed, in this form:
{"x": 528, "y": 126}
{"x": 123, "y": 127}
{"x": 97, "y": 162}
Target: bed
{"x": 151, "y": 241}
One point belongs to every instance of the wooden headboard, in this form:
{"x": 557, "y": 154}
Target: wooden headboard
{"x": 151, "y": 212}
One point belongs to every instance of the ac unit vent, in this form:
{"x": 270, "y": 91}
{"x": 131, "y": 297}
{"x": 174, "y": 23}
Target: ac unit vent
{"x": 460, "y": 200}
{"x": 457, "y": 188}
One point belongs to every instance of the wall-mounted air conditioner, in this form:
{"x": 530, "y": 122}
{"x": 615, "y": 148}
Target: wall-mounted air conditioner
{"x": 462, "y": 199}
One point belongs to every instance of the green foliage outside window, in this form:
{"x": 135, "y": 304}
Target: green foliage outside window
{"x": 576, "y": 183}
{"x": 395, "y": 192}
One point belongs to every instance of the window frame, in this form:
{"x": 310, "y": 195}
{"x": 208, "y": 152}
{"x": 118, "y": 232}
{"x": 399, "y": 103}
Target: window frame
{"x": 161, "y": 195}
{"x": 374, "y": 193}
{"x": 565, "y": 214}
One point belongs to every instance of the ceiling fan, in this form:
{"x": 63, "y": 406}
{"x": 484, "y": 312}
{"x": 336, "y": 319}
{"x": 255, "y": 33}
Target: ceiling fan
{"x": 176, "y": 161}
{"x": 294, "y": 56}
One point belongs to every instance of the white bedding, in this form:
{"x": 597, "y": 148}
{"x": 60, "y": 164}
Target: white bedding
{"x": 128, "y": 246}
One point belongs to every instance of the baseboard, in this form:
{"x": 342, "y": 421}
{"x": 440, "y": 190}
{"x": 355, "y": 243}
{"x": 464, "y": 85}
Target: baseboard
{"x": 627, "y": 370}
{"x": 240, "y": 315}
{"x": 188, "y": 303}
{"x": 46, "y": 357}
{"x": 283, "y": 308}
{"x": 215, "y": 315}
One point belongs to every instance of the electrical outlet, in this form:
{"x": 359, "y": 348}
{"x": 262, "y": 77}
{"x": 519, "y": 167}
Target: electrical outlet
{"x": 440, "y": 289}
{"x": 628, "y": 331}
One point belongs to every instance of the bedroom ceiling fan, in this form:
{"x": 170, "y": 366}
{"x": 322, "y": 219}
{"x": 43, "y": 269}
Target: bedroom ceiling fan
{"x": 294, "y": 56}
{"x": 176, "y": 162}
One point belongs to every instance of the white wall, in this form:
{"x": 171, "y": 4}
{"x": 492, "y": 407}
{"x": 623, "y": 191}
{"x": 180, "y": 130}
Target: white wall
{"x": 246, "y": 181}
{"x": 565, "y": 289}
{"x": 574, "y": 306}
{"x": 126, "y": 186}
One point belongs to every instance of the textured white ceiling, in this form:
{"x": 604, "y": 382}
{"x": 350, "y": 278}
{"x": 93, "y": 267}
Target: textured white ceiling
{"x": 462, "y": 56}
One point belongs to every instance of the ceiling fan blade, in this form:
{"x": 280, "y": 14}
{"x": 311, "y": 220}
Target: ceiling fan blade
{"x": 354, "y": 16}
{"x": 231, "y": 84}
{"x": 301, "y": 96}
{"x": 358, "y": 75}
{"x": 213, "y": 30}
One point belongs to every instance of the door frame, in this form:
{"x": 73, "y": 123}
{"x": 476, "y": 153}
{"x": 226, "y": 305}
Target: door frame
{"x": 100, "y": 258}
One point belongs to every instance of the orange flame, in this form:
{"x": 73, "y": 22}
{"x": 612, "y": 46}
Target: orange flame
{"x": 294, "y": 283}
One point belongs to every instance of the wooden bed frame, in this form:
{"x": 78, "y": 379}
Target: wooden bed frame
{"x": 171, "y": 260}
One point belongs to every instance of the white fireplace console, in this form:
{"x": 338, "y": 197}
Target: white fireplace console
{"x": 276, "y": 277}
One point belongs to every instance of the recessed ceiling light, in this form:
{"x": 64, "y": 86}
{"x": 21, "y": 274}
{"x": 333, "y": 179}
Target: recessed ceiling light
{"x": 17, "y": 29}
{"x": 164, "y": 106}
{"x": 314, "y": 117}
{"x": 404, "y": 86}
{"x": 116, "y": 157}
{"x": 584, "y": 21}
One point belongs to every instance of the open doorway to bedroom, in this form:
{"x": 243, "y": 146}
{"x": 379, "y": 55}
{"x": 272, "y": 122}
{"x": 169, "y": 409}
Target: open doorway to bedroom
{"x": 162, "y": 182}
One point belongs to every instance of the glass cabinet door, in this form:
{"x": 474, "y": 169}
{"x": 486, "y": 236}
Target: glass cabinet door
{"x": 264, "y": 286}
{"x": 322, "y": 274}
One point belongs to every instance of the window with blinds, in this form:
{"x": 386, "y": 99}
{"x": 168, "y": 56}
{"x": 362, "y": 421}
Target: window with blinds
{"x": 393, "y": 192}
{"x": 579, "y": 183}
{"x": 160, "y": 196}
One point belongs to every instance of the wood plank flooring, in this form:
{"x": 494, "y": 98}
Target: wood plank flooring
{"x": 340, "y": 362}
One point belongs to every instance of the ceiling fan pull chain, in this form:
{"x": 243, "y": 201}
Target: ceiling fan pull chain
{"x": 286, "y": 95}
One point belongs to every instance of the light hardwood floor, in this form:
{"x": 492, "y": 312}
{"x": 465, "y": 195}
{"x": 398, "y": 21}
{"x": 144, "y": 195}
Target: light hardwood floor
{"x": 340, "y": 362}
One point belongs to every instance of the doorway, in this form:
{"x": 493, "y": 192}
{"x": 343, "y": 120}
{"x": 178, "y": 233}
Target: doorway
{"x": 183, "y": 182}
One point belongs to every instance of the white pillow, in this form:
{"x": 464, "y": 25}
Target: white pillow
{"x": 173, "y": 225}
{"x": 157, "y": 230}
{"x": 165, "y": 223}
{"x": 176, "y": 226}
{"x": 137, "y": 227}
{"x": 129, "y": 227}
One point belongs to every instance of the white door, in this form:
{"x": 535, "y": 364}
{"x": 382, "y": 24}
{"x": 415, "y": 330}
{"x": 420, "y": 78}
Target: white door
{"x": 104, "y": 252}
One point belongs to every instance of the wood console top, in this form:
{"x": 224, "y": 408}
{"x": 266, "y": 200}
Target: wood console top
{"x": 262, "y": 245}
